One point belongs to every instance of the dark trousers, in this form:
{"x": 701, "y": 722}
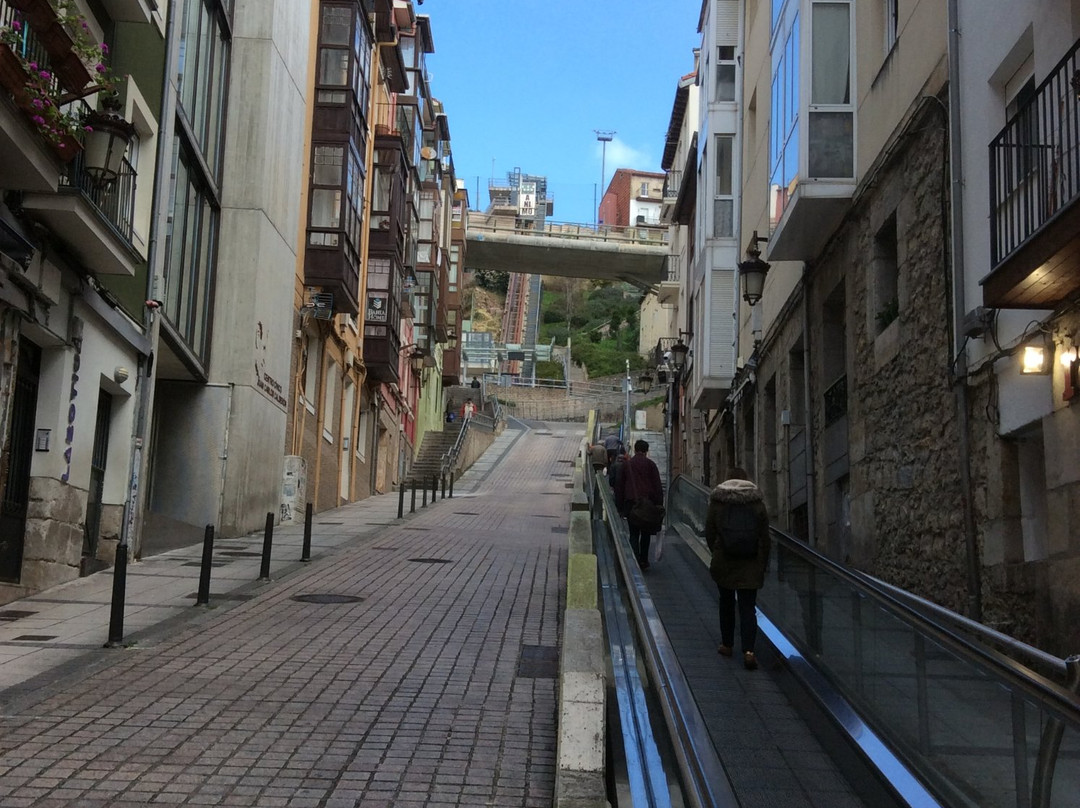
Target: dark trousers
{"x": 747, "y": 599}
{"x": 639, "y": 541}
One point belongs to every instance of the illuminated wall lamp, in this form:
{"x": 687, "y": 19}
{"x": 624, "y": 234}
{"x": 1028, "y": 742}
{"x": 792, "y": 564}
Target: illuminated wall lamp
{"x": 1035, "y": 359}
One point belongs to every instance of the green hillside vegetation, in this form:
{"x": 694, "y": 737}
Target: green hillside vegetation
{"x": 600, "y": 318}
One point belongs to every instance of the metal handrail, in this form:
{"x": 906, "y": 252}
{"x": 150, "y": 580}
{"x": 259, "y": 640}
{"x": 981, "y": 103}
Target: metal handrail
{"x": 650, "y": 235}
{"x": 449, "y": 458}
{"x": 702, "y": 774}
{"x": 956, "y": 640}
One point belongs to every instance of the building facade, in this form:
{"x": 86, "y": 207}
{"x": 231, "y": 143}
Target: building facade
{"x": 80, "y": 135}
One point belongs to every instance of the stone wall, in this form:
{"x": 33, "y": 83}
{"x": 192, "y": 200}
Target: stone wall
{"x": 53, "y": 541}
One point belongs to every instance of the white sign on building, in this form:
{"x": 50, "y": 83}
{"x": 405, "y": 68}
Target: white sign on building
{"x": 527, "y": 199}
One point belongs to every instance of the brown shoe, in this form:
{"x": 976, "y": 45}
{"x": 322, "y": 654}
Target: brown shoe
{"x": 724, "y": 650}
{"x": 749, "y": 661}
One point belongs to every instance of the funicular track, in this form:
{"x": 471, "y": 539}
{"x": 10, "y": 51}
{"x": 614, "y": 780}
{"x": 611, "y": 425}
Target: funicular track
{"x": 902, "y": 702}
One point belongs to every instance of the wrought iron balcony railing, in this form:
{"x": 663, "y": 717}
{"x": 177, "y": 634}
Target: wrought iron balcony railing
{"x": 114, "y": 200}
{"x": 1035, "y": 160}
{"x": 672, "y": 183}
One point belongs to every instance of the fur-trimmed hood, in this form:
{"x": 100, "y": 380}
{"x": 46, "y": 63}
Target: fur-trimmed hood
{"x": 736, "y": 491}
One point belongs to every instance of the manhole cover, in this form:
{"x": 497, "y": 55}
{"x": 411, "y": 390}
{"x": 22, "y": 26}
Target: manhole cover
{"x": 242, "y": 553}
{"x": 539, "y": 662}
{"x": 331, "y": 523}
{"x": 414, "y": 528}
{"x": 465, "y": 513}
{"x": 199, "y": 563}
{"x": 329, "y": 598}
{"x": 432, "y": 560}
{"x": 35, "y": 637}
{"x": 14, "y": 614}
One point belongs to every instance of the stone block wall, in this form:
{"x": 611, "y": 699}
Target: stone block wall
{"x": 53, "y": 540}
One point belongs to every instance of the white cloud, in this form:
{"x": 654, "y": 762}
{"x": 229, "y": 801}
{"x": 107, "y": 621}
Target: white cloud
{"x": 623, "y": 155}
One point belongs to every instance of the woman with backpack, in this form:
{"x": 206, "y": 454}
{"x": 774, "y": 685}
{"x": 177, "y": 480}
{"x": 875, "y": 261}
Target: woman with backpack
{"x": 737, "y": 530}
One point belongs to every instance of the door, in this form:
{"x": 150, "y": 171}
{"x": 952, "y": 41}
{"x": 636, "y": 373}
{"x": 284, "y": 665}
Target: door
{"x": 97, "y": 475}
{"x": 20, "y": 452}
{"x": 347, "y": 428}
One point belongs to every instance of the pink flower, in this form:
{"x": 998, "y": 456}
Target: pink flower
{"x": 104, "y": 48}
{"x": 38, "y": 103}
{"x": 88, "y": 129}
{"x": 37, "y": 119}
{"x": 45, "y": 74}
{"x": 33, "y": 65}
{"x": 100, "y": 68}
{"x": 16, "y": 25}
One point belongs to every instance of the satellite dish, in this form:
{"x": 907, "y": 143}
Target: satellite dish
{"x": 427, "y": 153}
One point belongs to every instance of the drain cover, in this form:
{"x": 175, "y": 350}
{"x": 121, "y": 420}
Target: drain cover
{"x": 35, "y": 637}
{"x": 432, "y": 560}
{"x": 539, "y": 662}
{"x": 328, "y": 598}
{"x": 466, "y": 513}
{"x": 242, "y": 553}
{"x": 14, "y": 614}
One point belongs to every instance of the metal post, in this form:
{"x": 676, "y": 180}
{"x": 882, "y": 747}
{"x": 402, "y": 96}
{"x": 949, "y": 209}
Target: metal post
{"x": 268, "y": 540}
{"x": 442, "y": 480}
{"x": 423, "y": 504}
{"x": 412, "y": 504}
{"x": 401, "y": 499}
{"x": 119, "y": 588}
{"x": 434, "y": 487}
{"x": 305, "y": 552}
{"x": 203, "y": 598}
{"x": 451, "y": 485}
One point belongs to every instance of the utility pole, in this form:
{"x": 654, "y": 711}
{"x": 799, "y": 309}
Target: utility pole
{"x": 605, "y": 137}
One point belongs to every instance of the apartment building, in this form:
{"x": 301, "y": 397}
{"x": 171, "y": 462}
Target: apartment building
{"x": 80, "y": 86}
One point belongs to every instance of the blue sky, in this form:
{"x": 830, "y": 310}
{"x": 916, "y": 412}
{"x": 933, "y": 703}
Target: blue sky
{"x": 525, "y": 83}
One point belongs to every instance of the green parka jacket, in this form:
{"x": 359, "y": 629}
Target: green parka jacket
{"x": 737, "y": 573}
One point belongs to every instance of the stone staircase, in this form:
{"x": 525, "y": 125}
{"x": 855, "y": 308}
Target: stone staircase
{"x": 428, "y": 462}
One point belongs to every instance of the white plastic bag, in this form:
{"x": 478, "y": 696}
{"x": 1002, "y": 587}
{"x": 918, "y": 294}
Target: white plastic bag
{"x": 658, "y": 546}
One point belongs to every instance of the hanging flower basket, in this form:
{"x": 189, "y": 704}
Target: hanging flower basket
{"x": 16, "y": 79}
{"x": 66, "y": 147}
{"x": 12, "y": 73}
{"x": 39, "y": 13}
{"x": 71, "y": 71}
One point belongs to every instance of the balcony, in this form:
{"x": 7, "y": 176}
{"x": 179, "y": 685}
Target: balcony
{"x": 671, "y": 194}
{"x": 92, "y": 216}
{"x": 1034, "y": 196}
{"x": 668, "y": 291}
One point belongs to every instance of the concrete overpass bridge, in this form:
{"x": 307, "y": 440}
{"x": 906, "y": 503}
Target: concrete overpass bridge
{"x": 636, "y": 255}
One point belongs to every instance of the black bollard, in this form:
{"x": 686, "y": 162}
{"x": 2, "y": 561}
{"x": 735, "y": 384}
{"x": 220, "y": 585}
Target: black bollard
{"x": 119, "y": 590}
{"x": 203, "y": 597}
{"x": 412, "y": 504}
{"x": 434, "y": 487}
{"x": 424, "y": 503}
{"x": 305, "y": 552}
{"x": 401, "y": 499}
{"x": 442, "y": 481}
{"x": 268, "y": 541}
{"x": 451, "y": 485}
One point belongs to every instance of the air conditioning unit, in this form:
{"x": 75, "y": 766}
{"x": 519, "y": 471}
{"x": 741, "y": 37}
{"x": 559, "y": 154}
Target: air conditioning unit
{"x": 323, "y": 304}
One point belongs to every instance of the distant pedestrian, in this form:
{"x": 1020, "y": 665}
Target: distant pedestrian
{"x": 612, "y": 444}
{"x": 475, "y": 383}
{"x": 468, "y": 408}
{"x": 737, "y": 531}
{"x": 617, "y": 468}
{"x": 639, "y": 479}
{"x": 598, "y": 457}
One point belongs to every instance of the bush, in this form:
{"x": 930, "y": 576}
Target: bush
{"x": 549, "y": 370}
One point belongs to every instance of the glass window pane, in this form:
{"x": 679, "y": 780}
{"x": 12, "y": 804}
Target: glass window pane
{"x": 723, "y": 165}
{"x": 831, "y": 144}
{"x": 336, "y": 25}
{"x": 333, "y": 67}
{"x": 831, "y": 71}
{"x": 328, "y": 161}
{"x": 326, "y": 208}
{"x": 725, "y": 82}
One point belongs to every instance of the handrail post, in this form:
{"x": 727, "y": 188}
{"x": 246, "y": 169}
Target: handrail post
{"x": 1050, "y": 743}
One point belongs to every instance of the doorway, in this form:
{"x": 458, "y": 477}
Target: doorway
{"x": 13, "y": 509}
{"x": 97, "y": 482}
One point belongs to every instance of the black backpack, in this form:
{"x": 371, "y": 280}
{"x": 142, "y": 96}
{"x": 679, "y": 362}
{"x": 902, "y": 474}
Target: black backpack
{"x": 739, "y": 531}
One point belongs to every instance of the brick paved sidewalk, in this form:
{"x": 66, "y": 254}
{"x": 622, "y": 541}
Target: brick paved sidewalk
{"x": 435, "y": 687}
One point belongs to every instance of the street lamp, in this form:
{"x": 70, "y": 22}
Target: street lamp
{"x": 678, "y": 356}
{"x": 752, "y": 271}
{"x": 605, "y": 137}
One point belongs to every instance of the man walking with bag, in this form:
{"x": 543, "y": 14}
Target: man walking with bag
{"x": 639, "y": 496}
{"x": 737, "y": 530}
